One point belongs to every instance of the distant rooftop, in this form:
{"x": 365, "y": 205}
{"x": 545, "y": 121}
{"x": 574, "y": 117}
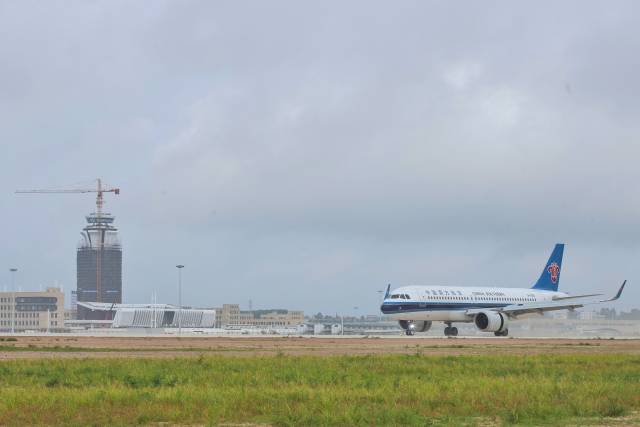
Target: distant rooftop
{"x": 105, "y": 306}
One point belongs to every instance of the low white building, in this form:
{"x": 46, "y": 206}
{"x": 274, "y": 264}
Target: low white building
{"x": 153, "y": 315}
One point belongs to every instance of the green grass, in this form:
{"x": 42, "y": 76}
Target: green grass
{"x": 311, "y": 390}
{"x": 17, "y": 347}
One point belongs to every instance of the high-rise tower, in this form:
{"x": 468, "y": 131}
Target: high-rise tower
{"x": 99, "y": 261}
{"x": 99, "y": 255}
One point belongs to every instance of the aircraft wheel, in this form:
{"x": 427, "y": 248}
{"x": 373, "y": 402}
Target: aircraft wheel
{"x": 502, "y": 334}
{"x": 453, "y": 331}
{"x": 447, "y": 331}
{"x": 409, "y": 332}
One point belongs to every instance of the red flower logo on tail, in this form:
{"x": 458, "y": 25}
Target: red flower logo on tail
{"x": 554, "y": 270}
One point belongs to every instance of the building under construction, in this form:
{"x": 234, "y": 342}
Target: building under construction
{"x": 99, "y": 263}
{"x": 99, "y": 257}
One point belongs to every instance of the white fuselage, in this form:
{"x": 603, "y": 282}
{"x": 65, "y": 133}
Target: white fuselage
{"x": 450, "y": 303}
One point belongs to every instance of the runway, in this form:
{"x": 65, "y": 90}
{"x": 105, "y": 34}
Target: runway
{"x": 35, "y": 347}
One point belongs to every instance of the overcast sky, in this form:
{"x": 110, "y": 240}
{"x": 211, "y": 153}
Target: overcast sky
{"x": 303, "y": 155}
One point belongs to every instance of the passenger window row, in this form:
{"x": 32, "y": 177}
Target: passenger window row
{"x": 481, "y": 298}
{"x": 466, "y": 298}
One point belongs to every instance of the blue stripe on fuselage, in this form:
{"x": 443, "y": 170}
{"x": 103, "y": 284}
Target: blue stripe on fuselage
{"x": 408, "y": 306}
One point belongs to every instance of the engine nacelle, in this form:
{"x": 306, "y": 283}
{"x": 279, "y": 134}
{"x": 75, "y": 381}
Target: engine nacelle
{"x": 416, "y": 326}
{"x": 491, "y": 321}
{"x": 422, "y": 326}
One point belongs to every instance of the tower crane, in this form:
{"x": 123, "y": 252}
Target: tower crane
{"x": 99, "y": 190}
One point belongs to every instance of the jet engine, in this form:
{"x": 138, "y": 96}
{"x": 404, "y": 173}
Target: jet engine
{"x": 415, "y": 326}
{"x": 491, "y": 321}
{"x": 422, "y": 326}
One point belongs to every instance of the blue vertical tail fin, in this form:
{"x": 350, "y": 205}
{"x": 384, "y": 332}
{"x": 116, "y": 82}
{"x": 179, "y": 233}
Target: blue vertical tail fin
{"x": 550, "y": 277}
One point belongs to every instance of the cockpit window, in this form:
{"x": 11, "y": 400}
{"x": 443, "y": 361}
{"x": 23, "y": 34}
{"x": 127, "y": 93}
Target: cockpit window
{"x": 395, "y": 296}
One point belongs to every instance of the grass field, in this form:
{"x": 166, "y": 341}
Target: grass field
{"x": 311, "y": 390}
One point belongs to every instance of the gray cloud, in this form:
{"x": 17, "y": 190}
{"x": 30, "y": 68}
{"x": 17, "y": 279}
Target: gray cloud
{"x": 305, "y": 155}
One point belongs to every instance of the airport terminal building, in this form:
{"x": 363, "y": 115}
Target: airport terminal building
{"x": 171, "y": 316}
{"x": 149, "y": 315}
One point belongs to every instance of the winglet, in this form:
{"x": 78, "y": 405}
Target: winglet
{"x": 386, "y": 295}
{"x": 617, "y": 294}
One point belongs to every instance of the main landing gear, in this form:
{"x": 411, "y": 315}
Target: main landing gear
{"x": 450, "y": 331}
{"x": 502, "y": 334}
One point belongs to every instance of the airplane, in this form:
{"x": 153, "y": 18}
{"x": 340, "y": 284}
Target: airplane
{"x": 489, "y": 308}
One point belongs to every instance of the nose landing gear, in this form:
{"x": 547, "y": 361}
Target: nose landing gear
{"x": 410, "y": 329}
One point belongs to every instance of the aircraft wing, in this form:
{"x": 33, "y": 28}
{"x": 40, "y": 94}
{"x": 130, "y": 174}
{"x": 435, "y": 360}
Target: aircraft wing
{"x": 576, "y": 297}
{"x": 541, "y": 307}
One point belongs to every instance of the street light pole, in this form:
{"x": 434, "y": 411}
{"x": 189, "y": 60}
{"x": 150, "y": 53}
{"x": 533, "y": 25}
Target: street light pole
{"x": 13, "y": 299}
{"x": 179, "y": 267}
